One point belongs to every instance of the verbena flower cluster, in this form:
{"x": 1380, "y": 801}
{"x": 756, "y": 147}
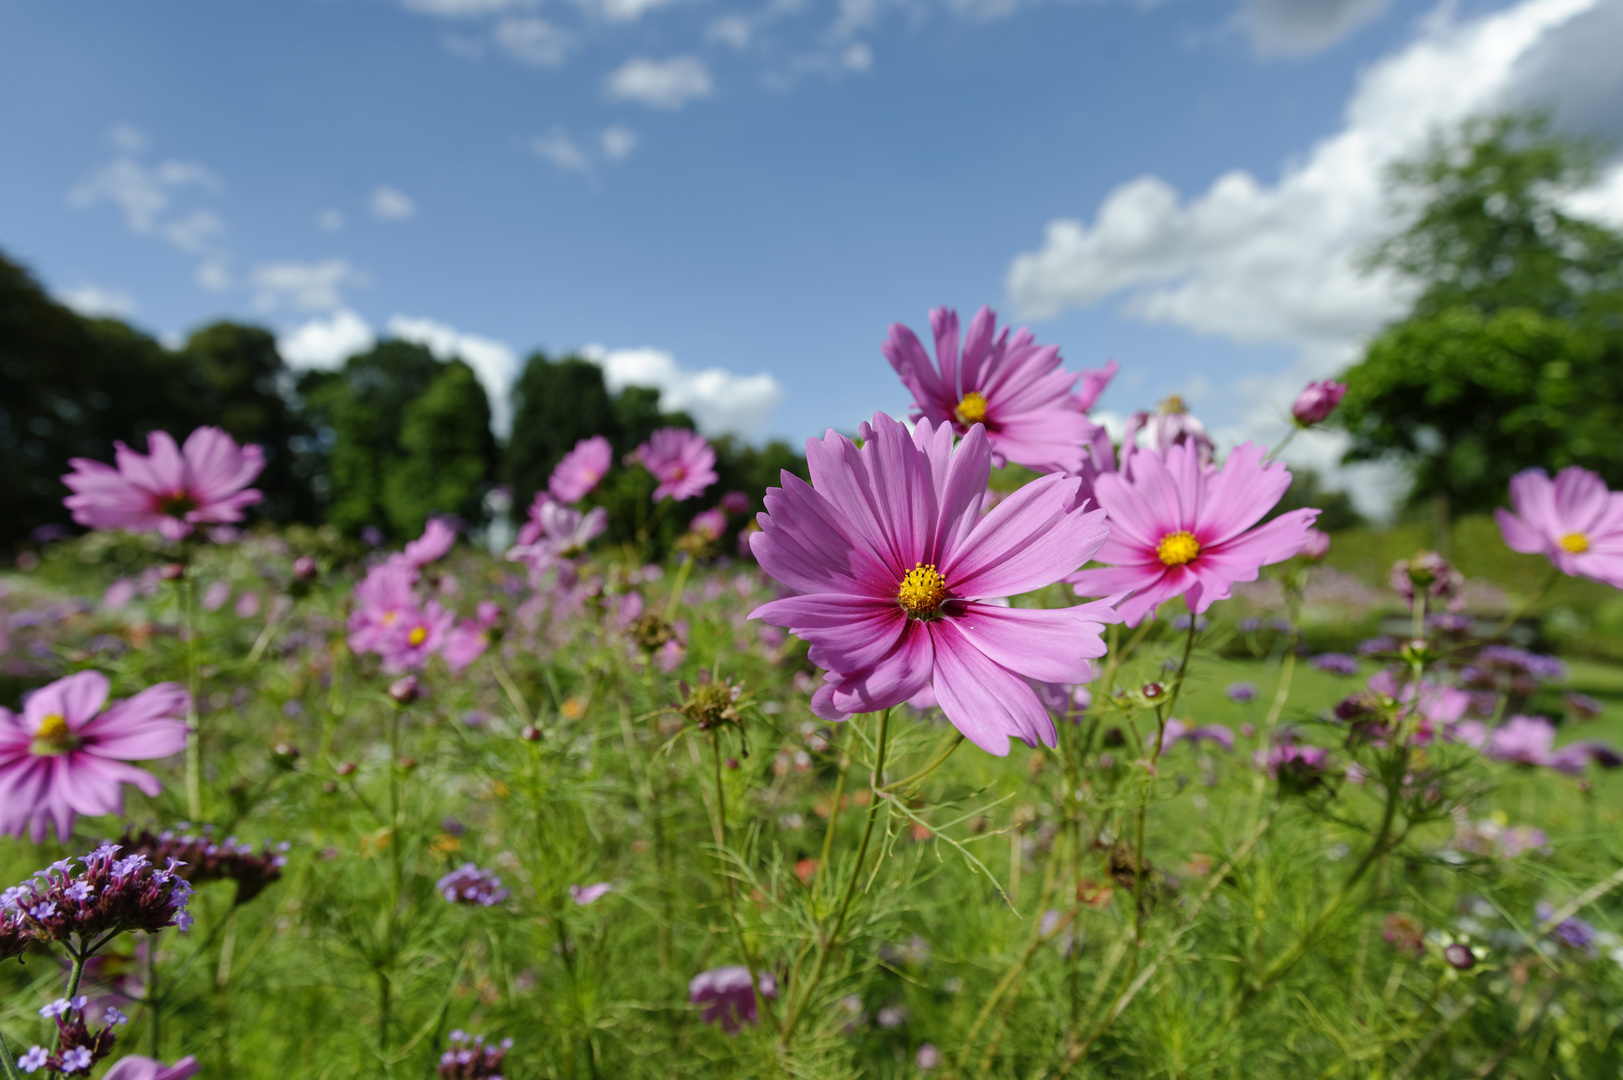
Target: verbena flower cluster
{"x": 469, "y": 1057}
{"x": 468, "y": 884}
{"x": 77, "y": 1047}
{"x": 198, "y": 858}
{"x": 85, "y": 901}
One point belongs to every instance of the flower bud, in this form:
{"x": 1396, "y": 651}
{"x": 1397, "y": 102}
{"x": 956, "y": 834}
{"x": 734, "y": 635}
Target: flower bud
{"x": 1153, "y": 690}
{"x": 346, "y": 768}
{"x": 1460, "y": 956}
{"x": 404, "y": 690}
{"x": 407, "y": 764}
{"x": 172, "y": 571}
{"x": 1316, "y": 402}
{"x": 304, "y": 568}
{"x": 1317, "y": 546}
{"x": 284, "y": 754}
{"x": 531, "y": 733}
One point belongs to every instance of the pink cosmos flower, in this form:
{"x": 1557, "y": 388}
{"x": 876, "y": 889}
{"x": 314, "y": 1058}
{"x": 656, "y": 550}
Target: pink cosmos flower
{"x": 1178, "y": 530}
{"x": 581, "y": 470}
{"x": 464, "y": 643}
{"x": 438, "y": 538}
{"x": 170, "y": 489}
{"x": 1317, "y": 546}
{"x": 1094, "y": 382}
{"x": 586, "y": 894}
{"x": 382, "y": 599}
{"x": 1015, "y": 388}
{"x": 1522, "y": 740}
{"x": 681, "y": 460}
{"x": 556, "y": 532}
{"x": 1316, "y": 402}
{"x": 727, "y": 996}
{"x": 896, "y": 574}
{"x": 65, "y": 756}
{"x": 1573, "y": 521}
{"x": 136, "y": 1067}
{"x": 710, "y": 523}
{"x": 418, "y": 634}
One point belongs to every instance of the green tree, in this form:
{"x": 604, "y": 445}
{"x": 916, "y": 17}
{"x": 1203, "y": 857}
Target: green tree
{"x": 446, "y": 453}
{"x": 1513, "y": 354}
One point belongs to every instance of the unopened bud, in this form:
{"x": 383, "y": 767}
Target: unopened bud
{"x": 531, "y": 733}
{"x": 304, "y": 568}
{"x": 404, "y": 690}
{"x": 172, "y": 571}
{"x": 407, "y": 764}
{"x": 1153, "y": 690}
{"x": 732, "y": 763}
{"x": 285, "y": 754}
{"x": 346, "y": 768}
{"x": 1460, "y": 956}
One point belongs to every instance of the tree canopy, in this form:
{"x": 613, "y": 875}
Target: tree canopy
{"x": 1513, "y": 353}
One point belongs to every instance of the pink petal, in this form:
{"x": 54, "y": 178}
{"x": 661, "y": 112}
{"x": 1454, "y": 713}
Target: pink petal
{"x": 74, "y": 698}
{"x": 985, "y": 701}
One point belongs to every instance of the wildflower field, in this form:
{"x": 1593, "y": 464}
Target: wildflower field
{"x": 999, "y": 748}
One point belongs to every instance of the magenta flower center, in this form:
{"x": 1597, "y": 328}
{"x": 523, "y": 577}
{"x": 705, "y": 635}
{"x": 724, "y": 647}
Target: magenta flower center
{"x": 922, "y": 591}
{"x": 176, "y": 504}
{"x": 1178, "y": 548}
{"x": 1576, "y": 543}
{"x": 54, "y": 737}
{"x": 972, "y": 410}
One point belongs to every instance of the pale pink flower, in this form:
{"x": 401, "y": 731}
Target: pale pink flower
{"x": 581, "y": 470}
{"x": 438, "y": 538}
{"x": 64, "y": 755}
{"x": 681, "y": 460}
{"x": 1177, "y": 529}
{"x": 1170, "y": 425}
{"x": 170, "y": 489}
{"x": 464, "y": 643}
{"x": 1094, "y": 382}
{"x": 710, "y": 523}
{"x": 1015, "y": 388}
{"x": 555, "y": 533}
{"x": 415, "y": 636}
{"x": 900, "y": 580}
{"x": 1573, "y": 521}
{"x": 586, "y": 894}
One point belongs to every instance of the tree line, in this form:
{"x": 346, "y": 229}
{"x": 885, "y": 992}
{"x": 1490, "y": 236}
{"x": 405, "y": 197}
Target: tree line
{"x": 386, "y": 440}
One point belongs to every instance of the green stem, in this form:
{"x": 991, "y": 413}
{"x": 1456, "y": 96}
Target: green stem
{"x": 834, "y": 807}
{"x": 194, "y": 733}
{"x": 1527, "y": 605}
{"x": 684, "y": 567}
{"x": 744, "y": 950}
{"x": 1161, "y": 716}
{"x": 1286, "y": 441}
{"x": 509, "y": 687}
{"x": 7, "y": 1061}
{"x": 934, "y": 763}
{"x": 803, "y": 996}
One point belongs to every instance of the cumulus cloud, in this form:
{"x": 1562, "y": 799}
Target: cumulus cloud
{"x": 719, "y": 401}
{"x": 325, "y": 342}
{"x": 661, "y": 84}
{"x": 317, "y": 286}
{"x": 557, "y": 147}
{"x": 93, "y": 301}
{"x": 1258, "y": 262}
{"x": 494, "y": 362}
{"x": 142, "y": 192}
{"x": 534, "y": 41}
{"x": 391, "y": 205}
{"x": 463, "y": 9}
{"x": 734, "y": 30}
{"x": 618, "y": 11}
{"x": 1573, "y": 71}
{"x": 1299, "y": 27}
{"x": 618, "y": 142}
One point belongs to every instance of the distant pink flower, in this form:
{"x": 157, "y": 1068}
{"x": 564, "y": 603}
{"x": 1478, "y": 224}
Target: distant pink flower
{"x": 215, "y": 596}
{"x": 63, "y": 755}
{"x": 586, "y": 894}
{"x": 681, "y": 460}
{"x": 727, "y": 996}
{"x": 382, "y": 599}
{"x": 1177, "y": 731}
{"x": 896, "y": 575}
{"x": 170, "y": 489}
{"x": 438, "y": 538}
{"x": 464, "y": 643}
{"x": 1015, "y": 388}
{"x": 1177, "y": 529}
{"x": 1171, "y": 424}
{"x": 1522, "y": 740}
{"x": 1573, "y": 521}
{"x": 581, "y": 470}
{"x": 1316, "y": 402}
{"x": 556, "y": 532}
{"x": 118, "y": 594}
{"x": 1317, "y": 546}
{"x": 136, "y": 1067}
{"x": 418, "y": 634}
{"x": 1094, "y": 382}
{"x": 735, "y": 502}
{"x": 710, "y": 523}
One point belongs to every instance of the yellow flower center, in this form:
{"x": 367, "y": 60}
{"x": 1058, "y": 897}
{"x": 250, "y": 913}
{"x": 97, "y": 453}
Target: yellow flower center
{"x": 418, "y": 635}
{"x": 1173, "y": 404}
{"x": 922, "y": 590}
{"x": 1577, "y": 543}
{"x": 54, "y": 737}
{"x": 1178, "y": 548}
{"x": 972, "y": 410}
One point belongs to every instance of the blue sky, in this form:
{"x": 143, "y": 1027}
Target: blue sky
{"x": 760, "y": 190}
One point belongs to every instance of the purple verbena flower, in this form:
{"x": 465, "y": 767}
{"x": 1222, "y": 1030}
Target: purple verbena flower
{"x": 468, "y": 884}
{"x": 727, "y": 997}
{"x": 1336, "y": 663}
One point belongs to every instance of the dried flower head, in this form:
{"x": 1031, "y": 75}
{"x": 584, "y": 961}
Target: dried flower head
{"x": 651, "y": 633}
{"x": 711, "y": 703}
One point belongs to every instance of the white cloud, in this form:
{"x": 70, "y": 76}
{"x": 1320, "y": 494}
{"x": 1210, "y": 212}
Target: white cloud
{"x": 718, "y": 400}
{"x": 391, "y": 205}
{"x": 127, "y": 138}
{"x": 661, "y": 84}
{"x": 463, "y": 9}
{"x": 494, "y": 362}
{"x": 143, "y": 193}
{"x": 1254, "y": 262}
{"x": 93, "y": 301}
{"x": 619, "y": 11}
{"x": 557, "y": 147}
{"x": 857, "y": 57}
{"x": 618, "y": 142}
{"x": 214, "y": 274}
{"x": 534, "y": 41}
{"x": 326, "y": 342}
{"x": 1299, "y": 27}
{"x": 734, "y": 30}
{"x": 331, "y": 220}
{"x": 303, "y": 286}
